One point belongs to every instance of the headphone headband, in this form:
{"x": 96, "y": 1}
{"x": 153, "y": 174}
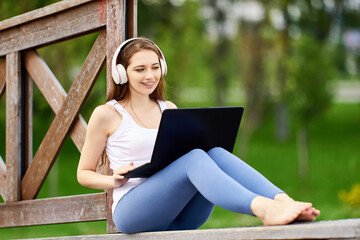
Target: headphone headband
{"x": 119, "y": 72}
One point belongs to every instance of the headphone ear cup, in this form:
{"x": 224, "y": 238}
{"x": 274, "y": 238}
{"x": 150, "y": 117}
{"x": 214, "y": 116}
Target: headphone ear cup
{"x": 122, "y": 74}
{"x": 163, "y": 67}
{"x": 115, "y": 74}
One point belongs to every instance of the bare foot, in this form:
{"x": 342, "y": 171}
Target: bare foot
{"x": 283, "y": 197}
{"x": 275, "y": 212}
{"x": 309, "y": 214}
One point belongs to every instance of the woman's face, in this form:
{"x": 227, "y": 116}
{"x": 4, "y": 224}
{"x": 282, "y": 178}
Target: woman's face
{"x": 143, "y": 72}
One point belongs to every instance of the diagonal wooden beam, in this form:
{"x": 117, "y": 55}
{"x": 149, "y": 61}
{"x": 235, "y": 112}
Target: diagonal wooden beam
{"x": 53, "y": 92}
{"x": 2, "y": 76}
{"x": 2, "y": 179}
{"x": 55, "y": 137}
{"x": 13, "y": 126}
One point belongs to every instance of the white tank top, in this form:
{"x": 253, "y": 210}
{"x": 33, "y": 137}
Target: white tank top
{"x": 129, "y": 143}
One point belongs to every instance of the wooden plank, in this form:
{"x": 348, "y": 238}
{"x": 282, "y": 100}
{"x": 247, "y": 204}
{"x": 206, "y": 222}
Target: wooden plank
{"x": 2, "y": 163}
{"x": 40, "y": 13}
{"x": 2, "y": 179}
{"x": 28, "y": 123}
{"x": 54, "y": 139}
{"x": 339, "y": 229}
{"x": 2, "y": 76}
{"x": 132, "y": 18}
{"x": 115, "y": 32}
{"x": 80, "y": 20}
{"x": 13, "y": 126}
{"x": 80, "y": 208}
{"x": 53, "y": 92}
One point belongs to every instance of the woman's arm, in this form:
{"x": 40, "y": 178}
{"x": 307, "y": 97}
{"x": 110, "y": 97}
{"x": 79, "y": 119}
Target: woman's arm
{"x": 99, "y": 128}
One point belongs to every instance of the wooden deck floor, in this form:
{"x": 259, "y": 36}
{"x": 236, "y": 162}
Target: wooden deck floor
{"x": 338, "y": 229}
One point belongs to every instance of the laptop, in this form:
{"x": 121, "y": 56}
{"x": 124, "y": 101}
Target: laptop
{"x": 184, "y": 129}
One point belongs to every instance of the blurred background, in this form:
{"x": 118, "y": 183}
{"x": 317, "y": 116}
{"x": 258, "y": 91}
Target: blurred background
{"x": 293, "y": 64}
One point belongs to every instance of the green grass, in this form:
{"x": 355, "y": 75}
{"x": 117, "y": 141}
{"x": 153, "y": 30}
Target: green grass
{"x": 334, "y": 165}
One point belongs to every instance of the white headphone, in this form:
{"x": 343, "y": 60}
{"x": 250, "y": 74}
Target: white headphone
{"x": 118, "y": 71}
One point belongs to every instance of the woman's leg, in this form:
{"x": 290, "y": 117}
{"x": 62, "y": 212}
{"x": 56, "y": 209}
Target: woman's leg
{"x": 243, "y": 173}
{"x": 255, "y": 182}
{"x": 157, "y": 203}
{"x": 193, "y": 215}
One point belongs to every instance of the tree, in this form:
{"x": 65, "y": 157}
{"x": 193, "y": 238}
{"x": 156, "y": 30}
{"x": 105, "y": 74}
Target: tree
{"x": 310, "y": 71}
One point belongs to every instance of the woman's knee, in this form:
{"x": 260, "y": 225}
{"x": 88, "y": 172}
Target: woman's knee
{"x": 216, "y": 150}
{"x": 195, "y": 156}
{"x": 123, "y": 226}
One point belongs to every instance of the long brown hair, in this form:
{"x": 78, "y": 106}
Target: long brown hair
{"x": 122, "y": 92}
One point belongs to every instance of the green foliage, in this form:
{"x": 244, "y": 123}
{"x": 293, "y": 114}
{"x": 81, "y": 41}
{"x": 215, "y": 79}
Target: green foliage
{"x": 310, "y": 72}
{"x": 179, "y": 32}
{"x": 352, "y": 197}
{"x": 9, "y": 8}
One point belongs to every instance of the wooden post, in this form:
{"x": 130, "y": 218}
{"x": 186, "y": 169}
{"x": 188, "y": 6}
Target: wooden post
{"x": 132, "y": 18}
{"x": 28, "y": 125}
{"x": 13, "y": 126}
{"x": 2, "y": 76}
{"x": 115, "y": 34}
{"x": 118, "y": 13}
{"x": 3, "y": 189}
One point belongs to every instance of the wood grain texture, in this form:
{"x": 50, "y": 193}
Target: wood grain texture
{"x": 339, "y": 229}
{"x": 132, "y": 18}
{"x": 2, "y": 76}
{"x": 81, "y": 208}
{"x": 13, "y": 126}
{"x": 53, "y": 92}
{"x": 28, "y": 123}
{"x": 115, "y": 32}
{"x": 2, "y": 179}
{"x": 79, "y": 20}
{"x": 55, "y": 137}
{"x": 40, "y": 13}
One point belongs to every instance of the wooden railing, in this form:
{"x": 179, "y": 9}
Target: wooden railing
{"x": 24, "y": 172}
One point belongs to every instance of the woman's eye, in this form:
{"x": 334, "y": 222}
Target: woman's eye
{"x": 156, "y": 67}
{"x": 139, "y": 69}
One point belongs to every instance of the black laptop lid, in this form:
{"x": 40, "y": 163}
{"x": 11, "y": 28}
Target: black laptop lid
{"x": 185, "y": 129}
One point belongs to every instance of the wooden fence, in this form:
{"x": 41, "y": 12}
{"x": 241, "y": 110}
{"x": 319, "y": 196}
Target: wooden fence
{"x": 23, "y": 172}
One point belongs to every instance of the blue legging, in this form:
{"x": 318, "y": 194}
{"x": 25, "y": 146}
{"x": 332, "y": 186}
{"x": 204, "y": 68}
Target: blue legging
{"x": 182, "y": 196}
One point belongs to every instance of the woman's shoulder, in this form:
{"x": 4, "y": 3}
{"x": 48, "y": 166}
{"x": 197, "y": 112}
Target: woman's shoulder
{"x": 103, "y": 113}
{"x": 170, "y": 104}
{"x": 105, "y": 119}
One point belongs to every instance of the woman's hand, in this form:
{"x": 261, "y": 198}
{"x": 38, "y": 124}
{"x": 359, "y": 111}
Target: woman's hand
{"x": 118, "y": 178}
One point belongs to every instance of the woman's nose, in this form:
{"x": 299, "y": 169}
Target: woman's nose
{"x": 149, "y": 74}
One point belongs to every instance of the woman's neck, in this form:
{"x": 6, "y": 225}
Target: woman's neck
{"x": 140, "y": 102}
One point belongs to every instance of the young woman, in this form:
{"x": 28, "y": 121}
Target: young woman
{"x": 181, "y": 196}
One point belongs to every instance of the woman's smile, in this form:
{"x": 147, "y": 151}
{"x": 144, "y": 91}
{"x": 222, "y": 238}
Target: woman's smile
{"x": 149, "y": 84}
{"x": 144, "y": 71}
